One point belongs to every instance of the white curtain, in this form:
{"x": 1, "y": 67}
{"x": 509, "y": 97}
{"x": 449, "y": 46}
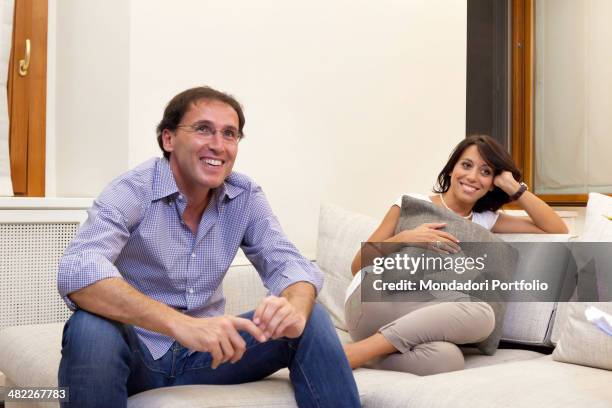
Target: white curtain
{"x": 6, "y": 36}
{"x": 573, "y": 105}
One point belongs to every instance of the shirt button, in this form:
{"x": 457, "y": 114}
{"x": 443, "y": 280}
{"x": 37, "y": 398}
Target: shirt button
{"x": 180, "y": 197}
{"x": 190, "y": 290}
{"x": 193, "y": 254}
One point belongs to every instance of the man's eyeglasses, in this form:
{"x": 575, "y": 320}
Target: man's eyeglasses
{"x": 204, "y": 129}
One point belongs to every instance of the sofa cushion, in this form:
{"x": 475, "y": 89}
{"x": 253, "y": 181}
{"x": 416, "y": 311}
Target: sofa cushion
{"x": 30, "y": 356}
{"x": 531, "y": 322}
{"x": 538, "y": 382}
{"x": 597, "y": 229}
{"x": 340, "y": 235}
{"x": 243, "y": 289}
{"x": 594, "y": 252}
{"x": 474, "y": 358}
{"x": 560, "y": 319}
{"x": 274, "y": 391}
{"x": 271, "y": 392}
{"x": 582, "y": 342}
{"x": 597, "y": 225}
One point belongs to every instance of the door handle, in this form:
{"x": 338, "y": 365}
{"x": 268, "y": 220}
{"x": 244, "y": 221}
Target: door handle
{"x": 24, "y": 64}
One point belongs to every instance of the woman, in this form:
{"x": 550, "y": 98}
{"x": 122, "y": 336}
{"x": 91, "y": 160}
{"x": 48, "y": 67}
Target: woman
{"x": 422, "y": 337}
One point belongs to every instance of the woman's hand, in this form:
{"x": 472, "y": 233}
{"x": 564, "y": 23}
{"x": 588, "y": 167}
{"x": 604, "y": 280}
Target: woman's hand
{"x": 505, "y": 180}
{"x": 429, "y": 236}
{"x": 542, "y": 218}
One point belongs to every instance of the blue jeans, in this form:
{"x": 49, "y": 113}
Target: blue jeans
{"x": 104, "y": 362}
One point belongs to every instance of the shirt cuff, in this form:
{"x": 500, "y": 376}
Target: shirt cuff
{"x": 296, "y": 272}
{"x": 75, "y": 273}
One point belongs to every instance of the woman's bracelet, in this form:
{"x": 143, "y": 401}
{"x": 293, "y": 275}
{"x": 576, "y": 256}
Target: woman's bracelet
{"x": 522, "y": 188}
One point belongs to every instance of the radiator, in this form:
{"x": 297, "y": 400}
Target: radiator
{"x": 33, "y": 235}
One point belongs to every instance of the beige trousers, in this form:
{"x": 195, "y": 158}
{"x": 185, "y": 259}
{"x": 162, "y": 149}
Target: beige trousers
{"x": 425, "y": 333}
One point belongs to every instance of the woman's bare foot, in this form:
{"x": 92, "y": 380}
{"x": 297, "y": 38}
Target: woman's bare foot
{"x": 361, "y": 352}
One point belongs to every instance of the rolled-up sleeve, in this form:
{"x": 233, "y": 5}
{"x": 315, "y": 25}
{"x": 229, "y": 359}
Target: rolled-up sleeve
{"x": 277, "y": 260}
{"x": 91, "y": 255}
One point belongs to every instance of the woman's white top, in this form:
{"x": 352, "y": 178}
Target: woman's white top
{"x": 486, "y": 219}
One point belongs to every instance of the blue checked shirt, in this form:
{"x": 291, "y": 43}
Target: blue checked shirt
{"x": 135, "y": 231}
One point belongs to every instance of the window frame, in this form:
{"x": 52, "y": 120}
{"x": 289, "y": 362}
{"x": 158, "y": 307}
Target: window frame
{"x": 523, "y": 93}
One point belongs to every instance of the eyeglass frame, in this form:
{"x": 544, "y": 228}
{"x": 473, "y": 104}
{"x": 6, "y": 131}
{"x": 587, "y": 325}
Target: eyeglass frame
{"x": 213, "y": 130}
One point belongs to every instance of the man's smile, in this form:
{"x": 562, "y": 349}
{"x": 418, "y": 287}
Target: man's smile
{"x": 212, "y": 162}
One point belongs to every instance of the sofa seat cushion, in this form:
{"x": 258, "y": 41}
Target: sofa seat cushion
{"x": 474, "y": 358}
{"x": 274, "y": 391}
{"x": 539, "y": 382}
{"x": 271, "y": 392}
{"x": 30, "y": 356}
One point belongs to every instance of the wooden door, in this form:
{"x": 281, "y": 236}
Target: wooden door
{"x": 27, "y": 97}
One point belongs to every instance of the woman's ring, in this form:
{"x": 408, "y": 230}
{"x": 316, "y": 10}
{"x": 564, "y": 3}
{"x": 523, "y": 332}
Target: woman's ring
{"x": 438, "y": 244}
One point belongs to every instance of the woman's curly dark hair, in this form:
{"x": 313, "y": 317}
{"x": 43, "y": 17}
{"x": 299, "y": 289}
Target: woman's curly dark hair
{"x": 496, "y": 156}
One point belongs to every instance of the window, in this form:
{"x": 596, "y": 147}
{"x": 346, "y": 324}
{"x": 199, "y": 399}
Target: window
{"x": 561, "y": 97}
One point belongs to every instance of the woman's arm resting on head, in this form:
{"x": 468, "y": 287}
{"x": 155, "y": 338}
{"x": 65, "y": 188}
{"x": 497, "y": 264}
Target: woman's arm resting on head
{"x": 542, "y": 218}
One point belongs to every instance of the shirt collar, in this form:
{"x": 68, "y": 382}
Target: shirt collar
{"x": 228, "y": 190}
{"x": 165, "y": 185}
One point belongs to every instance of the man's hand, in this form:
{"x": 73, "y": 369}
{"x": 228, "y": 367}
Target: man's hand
{"x": 217, "y": 335}
{"x": 277, "y": 317}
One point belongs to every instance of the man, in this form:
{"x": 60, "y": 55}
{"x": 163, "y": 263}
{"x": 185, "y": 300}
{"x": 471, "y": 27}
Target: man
{"x": 144, "y": 277}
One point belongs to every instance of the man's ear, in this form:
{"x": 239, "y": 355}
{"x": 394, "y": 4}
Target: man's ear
{"x": 168, "y": 140}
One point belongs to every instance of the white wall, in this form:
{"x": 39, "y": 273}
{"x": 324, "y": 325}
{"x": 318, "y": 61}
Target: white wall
{"x": 352, "y": 102}
{"x": 91, "y": 89}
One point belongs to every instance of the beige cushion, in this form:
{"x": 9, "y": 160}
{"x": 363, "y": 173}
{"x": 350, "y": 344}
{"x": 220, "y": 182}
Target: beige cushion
{"x": 597, "y": 228}
{"x": 582, "y": 342}
{"x": 275, "y": 391}
{"x": 539, "y": 382}
{"x": 243, "y": 289}
{"x": 31, "y": 355}
{"x": 474, "y": 358}
{"x": 531, "y": 322}
{"x": 271, "y": 392}
{"x": 594, "y": 254}
{"x": 561, "y": 319}
{"x": 340, "y": 235}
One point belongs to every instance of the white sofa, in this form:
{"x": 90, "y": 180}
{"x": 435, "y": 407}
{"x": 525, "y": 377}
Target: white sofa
{"x": 516, "y": 377}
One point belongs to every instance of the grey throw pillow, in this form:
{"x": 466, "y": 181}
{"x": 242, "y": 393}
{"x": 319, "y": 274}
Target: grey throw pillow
{"x": 415, "y": 212}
